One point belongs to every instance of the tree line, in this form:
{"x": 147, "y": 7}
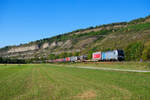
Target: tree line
{"x": 11, "y": 61}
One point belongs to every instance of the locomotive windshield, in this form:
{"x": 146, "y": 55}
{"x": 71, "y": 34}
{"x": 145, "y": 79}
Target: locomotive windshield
{"x": 120, "y": 53}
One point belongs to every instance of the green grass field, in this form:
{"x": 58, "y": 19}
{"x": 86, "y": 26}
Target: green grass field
{"x": 53, "y": 82}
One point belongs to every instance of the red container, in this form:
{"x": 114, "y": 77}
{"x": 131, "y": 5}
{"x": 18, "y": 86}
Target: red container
{"x": 96, "y": 56}
{"x": 68, "y": 59}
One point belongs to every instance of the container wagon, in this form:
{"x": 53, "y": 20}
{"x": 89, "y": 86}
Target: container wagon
{"x": 96, "y": 56}
{"x": 73, "y": 58}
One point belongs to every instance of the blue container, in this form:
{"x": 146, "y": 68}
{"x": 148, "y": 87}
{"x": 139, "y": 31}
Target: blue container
{"x": 103, "y": 56}
{"x": 111, "y": 55}
{"x": 64, "y": 59}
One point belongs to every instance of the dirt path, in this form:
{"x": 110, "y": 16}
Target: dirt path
{"x": 111, "y": 69}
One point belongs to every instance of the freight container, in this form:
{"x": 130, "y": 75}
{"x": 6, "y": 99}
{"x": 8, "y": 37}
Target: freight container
{"x": 111, "y": 55}
{"x": 73, "y": 59}
{"x": 103, "y": 56}
{"x": 68, "y": 59}
{"x": 96, "y": 56}
{"x": 64, "y": 59}
{"x": 61, "y": 60}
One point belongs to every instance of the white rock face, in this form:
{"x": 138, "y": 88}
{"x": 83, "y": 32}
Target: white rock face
{"x": 45, "y": 45}
{"x": 22, "y": 49}
{"x": 59, "y": 43}
{"x": 53, "y": 44}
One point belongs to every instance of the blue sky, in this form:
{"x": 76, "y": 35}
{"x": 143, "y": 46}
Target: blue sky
{"x": 22, "y": 21}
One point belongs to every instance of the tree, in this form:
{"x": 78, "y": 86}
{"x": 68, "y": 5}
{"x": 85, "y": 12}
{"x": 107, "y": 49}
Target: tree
{"x": 63, "y": 55}
{"x": 76, "y": 53}
{"x": 89, "y": 56}
{"x": 52, "y": 56}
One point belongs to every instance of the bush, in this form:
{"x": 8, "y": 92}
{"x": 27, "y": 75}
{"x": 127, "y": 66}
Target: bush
{"x": 146, "y": 53}
{"x": 134, "y": 51}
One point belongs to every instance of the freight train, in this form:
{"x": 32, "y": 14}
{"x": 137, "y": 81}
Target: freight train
{"x": 115, "y": 55}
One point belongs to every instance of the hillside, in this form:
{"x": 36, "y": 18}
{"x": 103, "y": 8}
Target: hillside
{"x": 124, "y": 35}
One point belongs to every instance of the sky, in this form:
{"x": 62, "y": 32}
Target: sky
{"x": 23, "y": 21}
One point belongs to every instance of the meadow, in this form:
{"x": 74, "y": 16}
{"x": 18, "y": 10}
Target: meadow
{"x": 55, "y": 82}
